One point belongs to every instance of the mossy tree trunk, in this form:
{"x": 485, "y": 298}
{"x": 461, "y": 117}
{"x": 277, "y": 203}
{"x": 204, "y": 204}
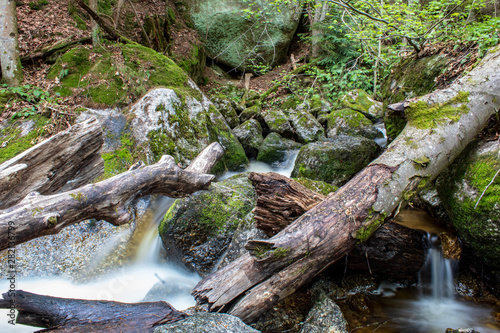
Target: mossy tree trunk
{"x": 439, "y": 127}
{"x": 12, "y": 72}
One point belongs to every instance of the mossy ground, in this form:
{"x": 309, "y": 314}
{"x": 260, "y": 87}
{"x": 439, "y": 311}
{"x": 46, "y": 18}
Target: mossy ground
{"x": 116, "y": 74}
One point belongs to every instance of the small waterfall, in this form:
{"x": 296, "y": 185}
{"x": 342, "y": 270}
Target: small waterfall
{"x": 436, "y": 276}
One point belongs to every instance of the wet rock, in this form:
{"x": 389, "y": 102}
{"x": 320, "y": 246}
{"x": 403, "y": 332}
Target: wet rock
{"x": 250, "y": 135}
{"x": 227, "y": 110}
{"x": 207, "y": 323}
{"x": 359, "y": 100}
{"x": 277, "y": 121}
{"x": 325, "y": 317}
{"x": 201, "y": 227}
{"x": 230, "y": 35}
{"x": 430, "y": 198}
{"x": 275, "y": 150}
{"x": 350, "y": 122}
{"x": 246, "y": 231}
{"x": 461, "y": 188}
{"x": 306, "y": 127}
{"x": 461, "y": 330}
{"x": 334, "y": 160}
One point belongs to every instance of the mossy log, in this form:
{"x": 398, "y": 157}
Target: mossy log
{"x": 38, "y": 215}
{"x": 277, "y": 267}
{"x": 78, "y": 315}
{"x": 393, "y": 250}
{"x": 60, "y": 46}
{"x": 63, "y": 162}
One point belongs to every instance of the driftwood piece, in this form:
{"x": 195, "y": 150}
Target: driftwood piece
{"x": 280, "y": 201}
{"x": 393, "y": 250}
{"x": 78, "y": 315}
{"x": 38, "y": 215}
{"x": 63, "y": 162}
{"x": 277, "y": 267}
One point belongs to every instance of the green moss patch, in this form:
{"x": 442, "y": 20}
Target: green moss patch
{"x": 116, "y": 74}
{"x": 422, "y": 116}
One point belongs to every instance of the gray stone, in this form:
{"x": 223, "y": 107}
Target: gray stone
{"x": 207, "y": 323}
{"x": 350, "y": 122}
{"x": 325, "y": 317}
{"x": 278, "y": 122}
{"x": 227, "y": 110}
{"x": 306, "y": 127}
{"x": 250, "y": 135}
{"x": 359, "y": 100}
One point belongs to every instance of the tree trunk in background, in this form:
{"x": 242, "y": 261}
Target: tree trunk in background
{"x": 12, "y": 72}
{"x": 93, "y": 24}
{"x": 439, "y": 127}
{"x": 320, "y": 10}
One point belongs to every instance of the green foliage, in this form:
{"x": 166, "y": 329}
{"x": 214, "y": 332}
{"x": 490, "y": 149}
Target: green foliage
{"x": 39, "y": 99}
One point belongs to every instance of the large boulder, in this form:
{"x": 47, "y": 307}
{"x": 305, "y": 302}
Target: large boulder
{"x": 469, "y": 182}
{"x": 359, "y": 100}
{"x": 334, "y": 160}
{"x": 235, "y": 37}
{"x": 350, "y": 122}
{"x": 200, "y": 228}
{"x": 181, "y": 126}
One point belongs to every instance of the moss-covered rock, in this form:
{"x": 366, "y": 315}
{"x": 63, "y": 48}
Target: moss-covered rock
{"x": 250, "y": 135}
{"x": 350, "y": 122}
{"x": 116, "y": 74}
{"x": 277, "y": 121}
{"x": 170, "y": 123}
{"x": 307, "y": 128}
{"x": 413, "y": 77}
{"x": 334, "y": 160}
{"x": 461, "y": 187}
{"x": 227, "y": 110}
{"x": 230, "y": 33}
{"x": 252, "y": 112}
{"x": 19, "y": 135}
{"x": 359, "y": 100}
{"x": 275, "y": 149}
{"x": 202, "y": 226}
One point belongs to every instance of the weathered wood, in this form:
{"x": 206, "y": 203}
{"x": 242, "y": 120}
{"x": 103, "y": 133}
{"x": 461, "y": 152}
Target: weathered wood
{"x": 280, "y": 201}
{"x": 78, "y": 315}
{"x": 393, "y": 250}
{"x": 287, "y": 261}
{"x": 38, "y": 215}
{"x": 63, "y": 162}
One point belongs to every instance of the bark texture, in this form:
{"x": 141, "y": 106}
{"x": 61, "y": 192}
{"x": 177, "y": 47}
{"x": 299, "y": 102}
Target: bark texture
{"x": 38, "y": 215}
{"x": 63, "y": 162}
{"x": 12, "y": 72}
{"x": 78, "y": 315}
{"x": 440, "y": 126}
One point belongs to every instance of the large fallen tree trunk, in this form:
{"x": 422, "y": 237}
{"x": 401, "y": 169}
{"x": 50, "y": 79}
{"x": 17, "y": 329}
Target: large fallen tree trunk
{"x": 393, "y": 250}
{"x": 63, "y": 162}
{"x": 439, "y": 127}
{"x": 38, "y": 215}
{"x": 78, "y": 315}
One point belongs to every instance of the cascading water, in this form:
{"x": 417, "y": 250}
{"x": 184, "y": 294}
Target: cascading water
{"x": 134, "y": 281}
{"x": 433, "y": 306}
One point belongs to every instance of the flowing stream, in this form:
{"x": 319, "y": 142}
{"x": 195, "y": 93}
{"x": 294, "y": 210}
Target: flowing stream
{"x": 132, "y": 281}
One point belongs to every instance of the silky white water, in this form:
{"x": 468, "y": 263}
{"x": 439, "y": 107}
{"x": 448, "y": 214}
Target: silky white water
{"x": 132, "y": 282}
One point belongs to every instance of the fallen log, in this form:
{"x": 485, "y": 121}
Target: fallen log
{"x": 78, "y": 315}
{"x": 393, "y": 250}
{"x": 38, "y": 215}
{"x": 60, "y": 46}
{"x": 439, "y": 127}
{"x": 63, "y": 162}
